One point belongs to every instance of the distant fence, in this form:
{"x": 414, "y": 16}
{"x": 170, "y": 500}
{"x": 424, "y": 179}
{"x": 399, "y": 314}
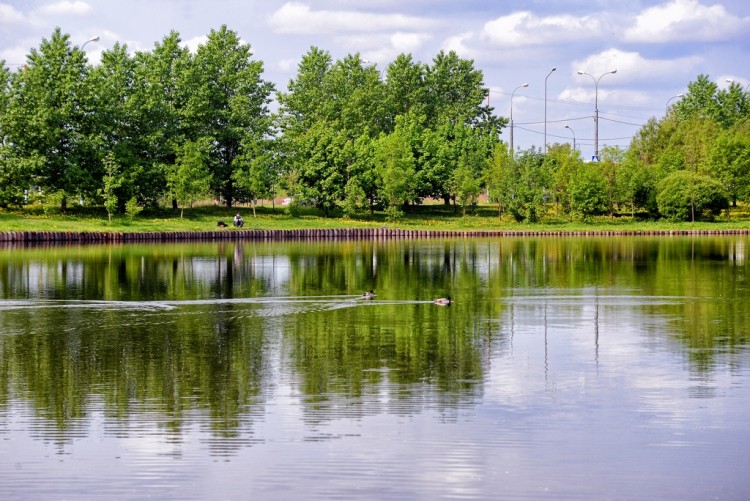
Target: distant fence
{"x": 321, "y": 234}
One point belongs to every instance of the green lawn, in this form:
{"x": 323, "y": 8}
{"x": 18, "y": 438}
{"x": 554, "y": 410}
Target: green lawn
{"x": 432, "y": 217}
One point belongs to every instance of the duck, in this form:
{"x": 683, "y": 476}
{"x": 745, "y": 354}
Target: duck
{"x": 368, "y": 295}
{"x": 443, "y": 301}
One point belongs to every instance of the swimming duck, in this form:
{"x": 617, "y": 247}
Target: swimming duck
{"x": 443, "y": 301}
{"x": 368, "y": 295}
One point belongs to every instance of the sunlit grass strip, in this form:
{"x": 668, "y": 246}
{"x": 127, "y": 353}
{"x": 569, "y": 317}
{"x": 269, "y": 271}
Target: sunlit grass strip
{"x": 428, "y": 218}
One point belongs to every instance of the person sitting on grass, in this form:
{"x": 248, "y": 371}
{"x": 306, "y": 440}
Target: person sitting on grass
{"x": 238, "y": 221}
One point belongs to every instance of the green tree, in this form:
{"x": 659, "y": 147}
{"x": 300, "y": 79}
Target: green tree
{"x": 189, "y": 178}
{"x": 610, "y": 160}
{"x": 455, "y": 90}
{"x": 116, "y": 121}
{"x": 394, "y": 162}
{"x": 49, "y": 118}
{"x": 499, "y": 177}
{"x": 405, "y": 89}
{"x": 528, "y": 186}
{"x": 256, "y": 174}
{"x": 729, "y": 163}
{"x": 160, "y": 103}
{"x": 700, "y": 100}
{"x": 112, "y": 181}
{"x": 687, "y": 196}
{"x": 562, "y": 163}
{"x": 228, "y": 104}
{"x": 588, "y": 190}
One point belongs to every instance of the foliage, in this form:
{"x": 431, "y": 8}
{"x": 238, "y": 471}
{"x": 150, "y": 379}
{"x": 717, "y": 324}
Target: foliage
{"x": 686, "y": 196}
{"x": 528, "y": 183}
{"x": 588, "y": 190}
{"x": 112, "y": 181}
{"x": 189, "y": 178}
{"x": 394, "y": 162}
{"x": 347, "y": 136}
{"x": 228, "y": 105}
{"x": 132, "y": 208}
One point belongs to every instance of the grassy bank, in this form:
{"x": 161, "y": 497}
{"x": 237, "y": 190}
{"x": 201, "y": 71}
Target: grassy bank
{"x": 427, "y": 217}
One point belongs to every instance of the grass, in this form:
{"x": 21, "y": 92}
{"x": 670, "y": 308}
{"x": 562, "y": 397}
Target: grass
{"x": 430, "y": 216}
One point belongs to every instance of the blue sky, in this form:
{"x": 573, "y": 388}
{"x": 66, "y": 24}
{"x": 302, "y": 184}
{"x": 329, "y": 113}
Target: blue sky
{"x": 657, "y": 47}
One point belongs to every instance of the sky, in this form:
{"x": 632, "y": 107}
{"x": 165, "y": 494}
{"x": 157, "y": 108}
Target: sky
{"x": 657, "y": 47}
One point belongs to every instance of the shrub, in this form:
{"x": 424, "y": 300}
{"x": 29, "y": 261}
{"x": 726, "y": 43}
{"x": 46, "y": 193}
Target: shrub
{"x": 684, "y": 196}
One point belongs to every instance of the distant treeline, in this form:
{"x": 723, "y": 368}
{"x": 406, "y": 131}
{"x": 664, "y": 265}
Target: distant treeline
{"x": 171, "y": 126}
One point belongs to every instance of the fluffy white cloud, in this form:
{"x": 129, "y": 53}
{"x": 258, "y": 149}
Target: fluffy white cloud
{"x": 193, "y": 43}
{"x": 298, "y": 18}
{"x": 76, "y": 8}
{"x": 383, "y": 48}
{"x": 681, "y": 20}
{"x": 9, "y": 15}
{"x": 458, "y": 44}
{"x": 634, "y": 66}
{"x": 525, "y": 28}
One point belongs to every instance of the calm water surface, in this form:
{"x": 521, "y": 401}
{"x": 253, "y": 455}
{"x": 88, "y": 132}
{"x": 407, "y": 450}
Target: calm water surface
{"x": 614, "y": 368}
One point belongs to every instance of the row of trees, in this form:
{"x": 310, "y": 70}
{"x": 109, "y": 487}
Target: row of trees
{"x": 137, "y": 129}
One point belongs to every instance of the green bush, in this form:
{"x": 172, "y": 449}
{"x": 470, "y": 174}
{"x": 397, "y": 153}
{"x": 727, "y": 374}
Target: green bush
{"x": 684, "y": 196}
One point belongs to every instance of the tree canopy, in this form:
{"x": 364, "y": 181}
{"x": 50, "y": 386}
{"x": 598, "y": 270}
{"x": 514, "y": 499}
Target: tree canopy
{"x": 169, "y": 125}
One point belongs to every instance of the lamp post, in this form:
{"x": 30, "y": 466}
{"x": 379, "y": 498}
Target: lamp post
{"x": 92, "y": 39}
{"x": 511, "y": 115}
{"x": 574, "y": 136}
{"x": 670, "y": 99}
{"x": 545, "y": 107}
{"x": 596, "y": 107}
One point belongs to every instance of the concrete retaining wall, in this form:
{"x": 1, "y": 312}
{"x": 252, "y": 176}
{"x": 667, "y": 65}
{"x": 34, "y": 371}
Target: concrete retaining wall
{"x": 318, "y": 234}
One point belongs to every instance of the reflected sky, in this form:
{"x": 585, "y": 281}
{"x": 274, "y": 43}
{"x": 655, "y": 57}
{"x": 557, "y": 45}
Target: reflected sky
{"x": 565, "y": 369}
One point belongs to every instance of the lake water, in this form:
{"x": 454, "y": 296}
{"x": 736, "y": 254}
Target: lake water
{"x": 566, "y": 368}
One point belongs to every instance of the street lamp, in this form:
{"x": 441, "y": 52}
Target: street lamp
{"x": 596, "y": 107}
{"x": 92, "y": 39}
{"x": 511, "y": 115}
{"x": 545, "y": 107}
{"x": 574, "y": 136}
{"x": 670, "y": 99}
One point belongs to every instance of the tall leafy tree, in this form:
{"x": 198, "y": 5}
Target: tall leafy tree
{"x": 562, "y": 162}
{"x": 729, "y": 163}
{"x": 160, "y": 99}
{"x": 394, "y": 162}
{"x": 228, "y": 104}
{"x": 700, "y": 100}
{"x": 49, "y": 118}
{"x": 256, "y": 174}
{"x": 15, "y": 173}
{"x": 499, "y": 177}
{"x": 588, "y": 190}
{"x": 189, "y": 178}
{"x": 116, "y": 120}
{"x": 529, "y": 183}
{"x": 455, "y": 89}
{"x": 405, "y": 89}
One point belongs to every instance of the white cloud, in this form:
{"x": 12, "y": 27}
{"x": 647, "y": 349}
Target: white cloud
{"x": 634, "y": 67}
{"x": 288, "y": 65}
{"x": 76, "y": 8}
{"x": 409, "y": 42}
{"x": 681, "y": 20}
{"x": 298, "y": 18}
{"x": 381, "y": 47}
{"x": 9, "y": 15}
{"x": 458, "y": 44}
{"x": 525, "y": 28}
{"x": 193, "y": 43}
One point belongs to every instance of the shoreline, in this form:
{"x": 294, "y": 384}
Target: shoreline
{"x": 16, "y": 237}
